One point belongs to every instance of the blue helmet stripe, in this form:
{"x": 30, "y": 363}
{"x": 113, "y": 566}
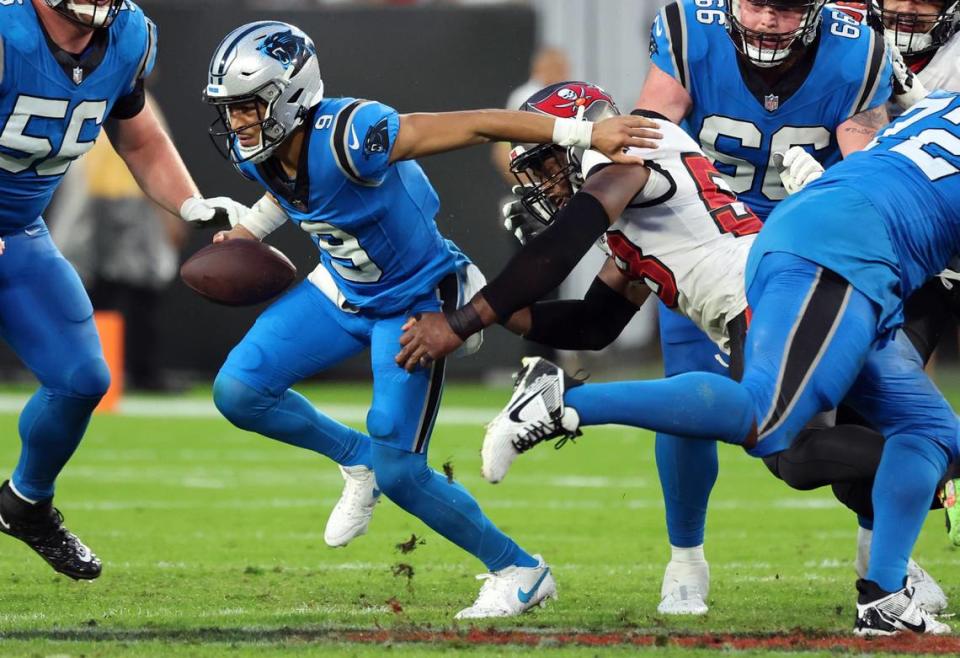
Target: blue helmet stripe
{"x": 222, "y": 65}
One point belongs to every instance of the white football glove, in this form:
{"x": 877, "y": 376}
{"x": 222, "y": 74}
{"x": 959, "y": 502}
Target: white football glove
{"x": 797, "y": 169}
{"x": 907, "y": 88}
{"x": 518, "y": 219}
{"x": 218, "y": 212}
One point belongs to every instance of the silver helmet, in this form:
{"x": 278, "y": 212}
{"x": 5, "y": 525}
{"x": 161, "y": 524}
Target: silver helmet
{"x": 916, "y": 33}
{"x": 272, "y": 64}
{"x": 769, "y": 49}
{"x": 91, "y": 13}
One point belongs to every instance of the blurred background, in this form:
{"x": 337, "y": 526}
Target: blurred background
{"x": 414, "y": 55}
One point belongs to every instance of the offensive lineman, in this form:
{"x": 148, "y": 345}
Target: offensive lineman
{"x": 68, "y": 68}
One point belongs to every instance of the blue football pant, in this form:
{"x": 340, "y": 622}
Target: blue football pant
{"x": 303, "y": 334}
{"x": 811, "y": 336}
{"x": 47, "y": 318}
{"x": 687, "y": 467}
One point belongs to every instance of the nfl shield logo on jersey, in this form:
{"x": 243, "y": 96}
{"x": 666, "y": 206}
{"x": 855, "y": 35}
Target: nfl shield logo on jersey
{"x": 77, "y": 75}
{"x": 771, "y": 102}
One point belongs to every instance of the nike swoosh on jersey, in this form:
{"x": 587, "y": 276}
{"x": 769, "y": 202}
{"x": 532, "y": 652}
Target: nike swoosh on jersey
{"x": 526, "y": 596}
{"x": 354, "y": 141}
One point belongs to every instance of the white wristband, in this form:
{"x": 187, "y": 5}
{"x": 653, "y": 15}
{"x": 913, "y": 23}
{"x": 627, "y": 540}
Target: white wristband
{"x": 264, "y": 218}
{"x": 571, "y": 132}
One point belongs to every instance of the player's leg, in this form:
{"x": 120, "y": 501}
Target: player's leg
{"x": 897, "y": 397}
{"x": 687, "y": 468}
{"x": 811, "y": 332}
{"x": 47, "y": 319}
{"x": 400, "y": 423}
{"x": 299, "y": 335}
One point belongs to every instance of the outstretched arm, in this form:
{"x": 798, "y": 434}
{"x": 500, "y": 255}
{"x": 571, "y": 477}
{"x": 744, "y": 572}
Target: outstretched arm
{"x": 427, "y": 134}
{"x": 534, "y": 271}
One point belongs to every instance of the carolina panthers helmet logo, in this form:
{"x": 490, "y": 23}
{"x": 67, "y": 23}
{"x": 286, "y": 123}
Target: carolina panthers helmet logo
{"x": 286, "y": 47}
{"x": 566, "y": 100}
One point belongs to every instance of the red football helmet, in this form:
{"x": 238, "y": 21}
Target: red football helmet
{"x": 550, "y": 174}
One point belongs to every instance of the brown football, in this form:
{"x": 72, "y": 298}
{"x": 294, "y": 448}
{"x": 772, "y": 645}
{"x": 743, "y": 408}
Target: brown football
{"x": 238, "y": 272}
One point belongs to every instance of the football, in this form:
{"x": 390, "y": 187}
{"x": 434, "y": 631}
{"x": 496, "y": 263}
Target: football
{"x": 238, "y": 272}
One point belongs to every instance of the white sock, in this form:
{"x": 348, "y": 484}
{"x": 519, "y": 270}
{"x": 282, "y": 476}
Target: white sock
{"x": 862, "y": 563}
{"x": 692, "y": 554}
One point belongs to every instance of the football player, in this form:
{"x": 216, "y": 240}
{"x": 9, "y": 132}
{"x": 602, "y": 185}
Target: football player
{"x": 749, "y": 80}
{"x": 825, "y": 318}
{"x": 343, "y": 170}
{"x": 925, "y": 33}
{"x": 68, "y": 68}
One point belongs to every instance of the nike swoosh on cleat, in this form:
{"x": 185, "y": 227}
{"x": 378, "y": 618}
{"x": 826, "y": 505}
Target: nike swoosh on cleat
{"x": 526, "y": 596}
{"x": 916, "y": 628}
{"x": 514, "y": 414}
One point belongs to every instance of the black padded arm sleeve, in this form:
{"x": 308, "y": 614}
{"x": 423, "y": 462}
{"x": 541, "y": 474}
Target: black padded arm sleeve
{"x": 590, "y": 323}
{"x": 545, "y": 261}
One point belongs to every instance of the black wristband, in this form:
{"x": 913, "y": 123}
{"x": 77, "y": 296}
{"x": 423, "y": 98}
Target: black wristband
{"x": 465, "y": 321}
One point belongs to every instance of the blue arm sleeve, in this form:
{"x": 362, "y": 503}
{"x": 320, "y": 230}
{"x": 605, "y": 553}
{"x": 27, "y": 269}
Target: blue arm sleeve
{"x": 364, "y": 133}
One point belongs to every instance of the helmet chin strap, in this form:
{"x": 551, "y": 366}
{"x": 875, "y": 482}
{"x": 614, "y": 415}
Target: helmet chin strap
{"x": 84, "y": 11}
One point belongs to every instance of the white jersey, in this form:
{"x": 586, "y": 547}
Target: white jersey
{"x": 943, "y": 71}
{"x": 685, "y": 235}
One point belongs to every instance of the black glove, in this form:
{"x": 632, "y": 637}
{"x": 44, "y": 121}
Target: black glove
{"x": 518, "y": 219}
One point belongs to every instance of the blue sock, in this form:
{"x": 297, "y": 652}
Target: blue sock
{"x": 688, "y": 469}
{"x": 446, "y": 507}
{"x": 51, "y": 426}
{"x": 909, "y": 471}
{"x": 701, "y": 405}
{"x": 290, "y": 418}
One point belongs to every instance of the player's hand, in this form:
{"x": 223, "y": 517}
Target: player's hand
{"x": 218, "y": 212}
{"x": 426, "y": 337}
{"x": 518, "y": 220}
{"x": 797, "y": 169}
{"x": 907, "y": 88}
{"x": 236, "y": 233}
{"x": 611, "y": 136}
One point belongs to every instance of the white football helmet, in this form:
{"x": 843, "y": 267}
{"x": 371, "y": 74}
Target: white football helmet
{"x": 91, "y": 13}
{"x": 768, "y": 49}
{"x": 914, "y": 33}
{"x": 269, "y": 62}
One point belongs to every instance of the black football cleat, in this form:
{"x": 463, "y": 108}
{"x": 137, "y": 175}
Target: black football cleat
{"x": 40, "y": 526}
{"x": 889, "y": 613}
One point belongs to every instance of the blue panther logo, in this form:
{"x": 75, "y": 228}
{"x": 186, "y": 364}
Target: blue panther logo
{"x": 286, "y": 48}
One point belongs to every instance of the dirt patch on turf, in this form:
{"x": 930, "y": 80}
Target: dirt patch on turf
{"x": 796, "y": 641}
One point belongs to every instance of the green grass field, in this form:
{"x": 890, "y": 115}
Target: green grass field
{"x": 212, "y": 543}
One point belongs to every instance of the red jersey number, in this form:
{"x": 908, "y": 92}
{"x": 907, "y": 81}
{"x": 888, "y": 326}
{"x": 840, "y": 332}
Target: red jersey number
{"x": 729, "y": 214}
{"x": 639, "y": 266}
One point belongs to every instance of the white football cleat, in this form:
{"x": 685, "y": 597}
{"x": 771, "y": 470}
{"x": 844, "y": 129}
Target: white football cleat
{"x": 884, "y": 613}
{"x": 512, "y": 591}
{"x": 535, "y": 413}
{"x": 926, "y": 591}
{"x": 685, "y": 588}
{"x": 352, "y": 513}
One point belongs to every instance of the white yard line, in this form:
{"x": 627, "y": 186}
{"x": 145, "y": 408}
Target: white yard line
{"x": 182, "y": 407}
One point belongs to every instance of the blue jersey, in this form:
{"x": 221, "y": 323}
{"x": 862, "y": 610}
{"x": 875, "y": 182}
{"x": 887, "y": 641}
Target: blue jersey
{"x": 890, "y": 213}
{"x": 49, "y": 117}
{"x": 850, "y": 72}
{"x": 373, "y": 221}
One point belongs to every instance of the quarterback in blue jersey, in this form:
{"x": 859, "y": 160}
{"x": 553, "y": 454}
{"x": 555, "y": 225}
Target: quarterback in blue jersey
{"x": 825, "y": 317}
{"x": 342, "y": 170}
{"x": 68, "y": 68}
{"x": 750, "y": 80}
